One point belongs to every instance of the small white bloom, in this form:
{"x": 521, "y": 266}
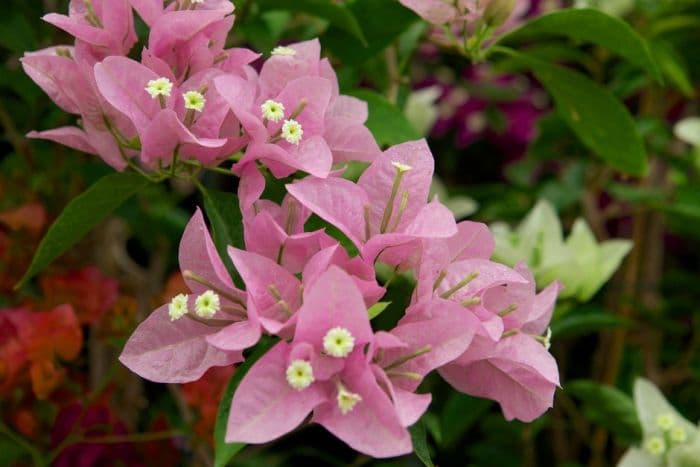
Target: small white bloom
{"x": 347, "y": 400}
{"x": 292, "y": 131}
{"x": 177, "y": 307}
{"x": 665, "y": 421}
{"x": 547, "y": 339}
{"x": 300, "y": 374}
{"x": 285, "y": 51}
{"x": 272, "y": 110}
{"x": 197, "y": 1}
{"x": 401, "y": 166}
{"x": 194, "y": 100}
{"x": 477, "y": 122}
{"x": 338, "y": 342}
{"x": 655, "y": 446}
{"x": 678, "y": 435}
{"x": 159, "y": 87}
{"x": 207, "y": 304}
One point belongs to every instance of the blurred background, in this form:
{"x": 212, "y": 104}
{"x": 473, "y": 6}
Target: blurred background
{"x": 626, "y": 248}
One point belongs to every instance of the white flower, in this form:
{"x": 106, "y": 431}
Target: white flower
{"x": 272, "y": 110}
{"x": 679, "y": 435}
{"x": 194, "y": 100}
{"x": 401, "y": 166}
{"x": 159, "y": 87}
{"x": 338, "y": 342}
{"x": 285, "y": 51}
{"x": 300, "y": 374}
{"x": 177, "y": 307}
{"x": 665, "y": 421}
{"x": 655, "y": 446}
{"x": 347, "y": 400}
{"x": 292, "y": 131}
{"x": 207, "y": 304}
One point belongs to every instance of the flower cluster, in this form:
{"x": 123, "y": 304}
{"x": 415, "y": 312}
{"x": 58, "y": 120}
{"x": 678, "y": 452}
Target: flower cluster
{"x": 189, "y": 100}
{"x": 482, "y": 325}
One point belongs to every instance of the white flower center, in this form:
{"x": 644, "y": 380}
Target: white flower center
{"x": 300, "y": 374}
{"x": 207, "y": 304}
{"x": 272, "y": 110}
{"x": 177, "y": 307}
{"x": 347, "y": 400}
{"x": 678, "y": 435}
{"x": 338, "y": 342}
{"x": 159, "y": 87}
{"x": 401, "y": 166}
{"x": 285, "y": 51}
{"x": 655, "y": 446}
{"x": 292, "y": 131}
{"x": 547, "y": 339}
{"x": 665, "y": 421}
{"x": 194, "y": 100}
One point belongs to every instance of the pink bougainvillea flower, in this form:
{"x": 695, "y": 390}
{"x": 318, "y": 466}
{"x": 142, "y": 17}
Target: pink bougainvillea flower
{"x": 69, "y": 82}
{"x": 152, "y": 10}
{"x": 285, "y": 130}
{"x": 187, "y": 119}
{"x": 361, "y": 272}
{"x": 106, "y": 25}
{"x": 517, "y": 370}
{"x": 386, "y": 212}
{"x": 277, "y": 231}
{"x": 171, "y": 344}
{"x": 325, "y": 370}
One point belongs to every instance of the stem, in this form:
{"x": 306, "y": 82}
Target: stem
{"x": 400, "y": 361}
{"x": 389, "y": 210}
{"x": 23, "y": 443}
{"x": 448, "y": 293}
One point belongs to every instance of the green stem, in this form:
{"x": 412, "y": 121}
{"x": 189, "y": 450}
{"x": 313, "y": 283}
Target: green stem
{"x": 23, "y": 443}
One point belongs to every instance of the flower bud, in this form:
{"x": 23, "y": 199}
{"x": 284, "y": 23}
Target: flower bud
{"x": 498, "y": 11}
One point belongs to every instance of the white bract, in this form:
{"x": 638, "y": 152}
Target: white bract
{"x": 669, "y": 440}
{"x": 581, "y": 263}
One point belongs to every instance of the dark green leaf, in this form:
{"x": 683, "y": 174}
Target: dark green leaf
{"x": 337, "y": 15}
{"x": 609, "y": 407}
{"x": 81, "y": 215}
{"x": 16, "y": 34}
{"x": 386, "y": 121}
{"x": 226, "y": 224}
{"x": 673, "y": 66}
{"x": 382, "y": 21}
{"x": 589, "y": 25}
{"x": 459, "y": 414}
{"x": 420, "y": 443}
{"x": 224, "y": 452}
{"x": 599, "y": 120}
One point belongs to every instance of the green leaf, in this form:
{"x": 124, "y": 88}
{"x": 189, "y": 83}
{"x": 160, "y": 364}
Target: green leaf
{"x": 420, "y": 443}
{"x": 460, "y": 413}
{"x": 337, "y": 15}
{"x": 81, "y": 215}
{"x": 16, "y": 34}
{"x": 609, "y": 407}
{"x": 224, "y": 452}
{"x": 386, "y": 121}
{"x": 593, "y": 26}
{"x": 673, "y": 66}
{"x": 600, "y": 121}
{"x": 376, "y": 309}
{"x": 226, "y": 224}
{"x": 382, "y": 21}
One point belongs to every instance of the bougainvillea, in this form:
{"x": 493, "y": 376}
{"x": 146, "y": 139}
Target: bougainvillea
{"x": 190, "y": 102}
